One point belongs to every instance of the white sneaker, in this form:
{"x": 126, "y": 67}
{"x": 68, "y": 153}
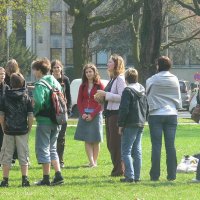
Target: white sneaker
{"x": 194, "y": 180}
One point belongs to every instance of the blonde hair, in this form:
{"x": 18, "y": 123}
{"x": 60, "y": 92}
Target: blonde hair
{"x": 119, "y": 67}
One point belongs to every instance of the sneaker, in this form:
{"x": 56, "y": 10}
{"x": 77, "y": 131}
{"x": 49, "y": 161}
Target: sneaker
{"x": 57, "y": 180}
{"x": 127, "y": 180}
{"x": 4, "y": 183}
{"x": 25, "y": 183}
{"x": 42, "y": 183}
{"x": 194, "y": 180}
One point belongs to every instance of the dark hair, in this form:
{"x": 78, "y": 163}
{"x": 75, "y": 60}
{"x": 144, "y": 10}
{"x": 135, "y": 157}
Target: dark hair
{"x": 56, "y": 62}
{"x": 164, "y": 63}
{"x": 119, "y": 67}
{"x": 17, "y": 80}
{"x": 131, "y": 75}
{"x": 96, "y": 73}
{"x": 43, "y": 65}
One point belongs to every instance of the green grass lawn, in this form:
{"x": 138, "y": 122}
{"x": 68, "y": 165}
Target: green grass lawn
{"x": 95, "y": 183}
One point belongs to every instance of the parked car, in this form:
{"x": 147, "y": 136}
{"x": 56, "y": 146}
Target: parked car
{"x": 185, "y": 93}
{"x": 74, "y": 87}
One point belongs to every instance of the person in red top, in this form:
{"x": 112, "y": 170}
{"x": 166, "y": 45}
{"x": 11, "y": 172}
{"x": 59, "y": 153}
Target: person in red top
{"x": 90, "y": 123}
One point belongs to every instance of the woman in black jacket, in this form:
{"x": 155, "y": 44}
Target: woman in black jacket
{"x": 57, "y": 72}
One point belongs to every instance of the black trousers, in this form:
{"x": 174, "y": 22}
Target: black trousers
{"x": 61, "y": 142}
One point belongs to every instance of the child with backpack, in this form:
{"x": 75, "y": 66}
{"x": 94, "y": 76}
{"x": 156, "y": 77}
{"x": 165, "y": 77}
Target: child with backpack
{"x": 16, "y": 118}
{"x": 132, "y": 117}
{"x": 47, "y": 129}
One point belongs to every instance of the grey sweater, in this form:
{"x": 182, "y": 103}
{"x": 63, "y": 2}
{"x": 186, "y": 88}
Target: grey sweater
{"x": 163, "y": 89}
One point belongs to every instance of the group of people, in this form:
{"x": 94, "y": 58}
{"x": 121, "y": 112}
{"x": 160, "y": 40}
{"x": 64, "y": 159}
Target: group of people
{"x": 123, "y": 103}
{"x": 17, "y": 110}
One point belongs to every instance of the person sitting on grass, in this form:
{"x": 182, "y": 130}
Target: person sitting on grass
{"x": 16, "y": 118}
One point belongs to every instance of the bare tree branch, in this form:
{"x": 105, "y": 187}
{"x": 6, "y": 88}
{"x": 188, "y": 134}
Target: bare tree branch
{"x": 177, "y": 22}
{"x": 196, "y": 10}
{"x": 111, "y": 19}
{"x": 174, "y": 43}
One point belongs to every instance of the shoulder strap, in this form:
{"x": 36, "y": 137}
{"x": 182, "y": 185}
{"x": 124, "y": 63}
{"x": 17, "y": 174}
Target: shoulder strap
{"x": 46, "y": 83}
{"x": 133, "y": 90}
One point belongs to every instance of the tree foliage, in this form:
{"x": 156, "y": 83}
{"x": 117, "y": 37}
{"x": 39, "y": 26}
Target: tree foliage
{"x": 18, "y": 51}
{"x": 87, "y": 20}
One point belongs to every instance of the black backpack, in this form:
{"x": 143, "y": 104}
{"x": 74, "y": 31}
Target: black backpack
{"x": 58, "y": 108}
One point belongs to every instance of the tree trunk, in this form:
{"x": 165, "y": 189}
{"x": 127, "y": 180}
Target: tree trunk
{"x": 150, "y": 38}
{"x": 80, "y": 46}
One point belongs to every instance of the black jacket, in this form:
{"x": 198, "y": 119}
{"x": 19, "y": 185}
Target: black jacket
{"x": 133, "y": 107}
{"x": 16, "y": 105}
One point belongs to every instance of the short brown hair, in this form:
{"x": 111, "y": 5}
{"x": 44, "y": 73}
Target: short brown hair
{"x": 17, "y": 80}
{"x": 131, "y": 75}
{"x": 12, "y": 67}
{"x": 42, "y": 64}
{"x": 119, "y": 66}
{"x": 164, "y": 63}
{"x": 96, "y": 73}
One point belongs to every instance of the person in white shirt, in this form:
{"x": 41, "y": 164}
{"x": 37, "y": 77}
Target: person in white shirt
{"x": 164, "y": 99}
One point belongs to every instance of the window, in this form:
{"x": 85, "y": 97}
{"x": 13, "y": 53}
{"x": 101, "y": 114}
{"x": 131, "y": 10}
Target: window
{"x": 56, "y": 23}
{"x": 69, "y": 56}
{"x": 56, "y": 54}
{"x": 69, "y": 23}
{"x": 102, "y": 58}
{"x": 69, "y": 41}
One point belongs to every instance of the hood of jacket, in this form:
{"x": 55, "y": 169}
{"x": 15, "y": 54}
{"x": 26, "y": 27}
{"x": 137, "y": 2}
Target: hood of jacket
{"x": 138, "y": 88}
{"x": 16, "y": 93}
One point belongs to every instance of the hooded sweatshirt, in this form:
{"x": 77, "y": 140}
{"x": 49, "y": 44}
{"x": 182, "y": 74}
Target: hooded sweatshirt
{"x": 133, "y": 106}
{"x": 41, "y": 96}
{"x": 16, "y": 106}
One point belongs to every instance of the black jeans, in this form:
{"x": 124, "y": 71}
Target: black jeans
{"x": 61, "y": 143}
{"x": 166, "y": 124}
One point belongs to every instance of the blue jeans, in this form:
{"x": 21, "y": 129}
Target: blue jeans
{"x": 166, "y": 124}
{"x": 46, "y": 142}
{"x": 131, "y": 148}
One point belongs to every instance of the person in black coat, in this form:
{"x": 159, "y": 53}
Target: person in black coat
{"x": 57, "y": 72}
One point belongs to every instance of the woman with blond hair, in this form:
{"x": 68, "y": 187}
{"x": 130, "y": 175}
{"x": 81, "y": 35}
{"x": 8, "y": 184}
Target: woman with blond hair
{"x": 90, "y": 125}
{"x": 112, "y": 95}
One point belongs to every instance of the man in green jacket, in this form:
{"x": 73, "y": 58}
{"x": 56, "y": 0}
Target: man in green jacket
{"x": 46, "y": 131}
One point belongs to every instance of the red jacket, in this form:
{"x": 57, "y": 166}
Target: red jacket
{"x": 87, "y": 101}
